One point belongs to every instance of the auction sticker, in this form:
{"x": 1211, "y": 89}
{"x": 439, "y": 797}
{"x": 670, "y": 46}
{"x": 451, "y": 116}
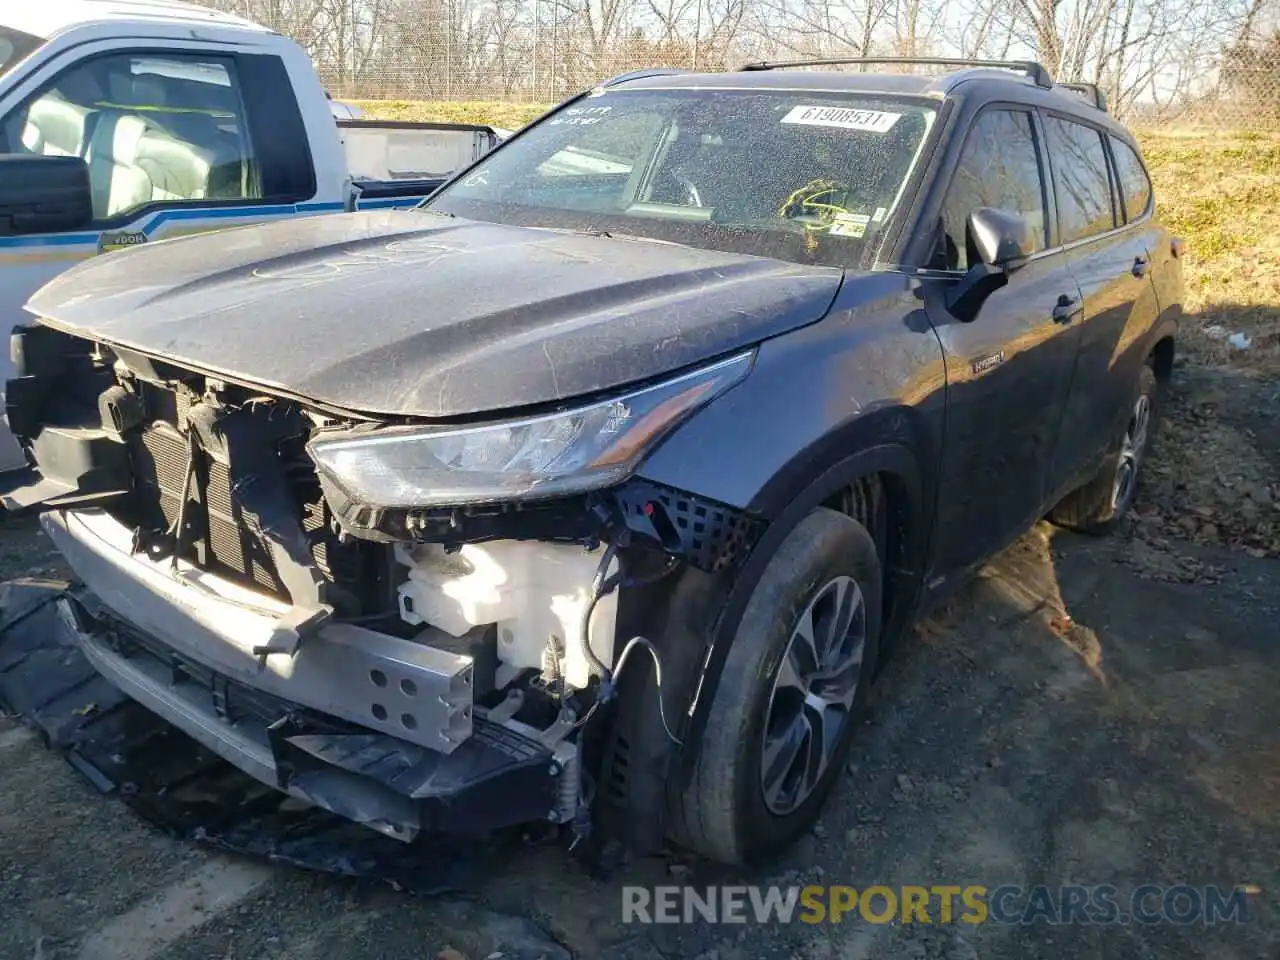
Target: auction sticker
{"x": 845, "y": 118}
{"x": 848, "y": 224}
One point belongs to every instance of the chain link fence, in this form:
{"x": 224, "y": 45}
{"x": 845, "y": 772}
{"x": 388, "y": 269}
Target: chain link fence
{"x": 1179, "y": 62}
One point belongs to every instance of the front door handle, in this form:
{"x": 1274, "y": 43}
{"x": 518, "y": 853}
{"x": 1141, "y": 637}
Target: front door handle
{"x": 1067, "y": 309}
{"x": 1140, "y": 266}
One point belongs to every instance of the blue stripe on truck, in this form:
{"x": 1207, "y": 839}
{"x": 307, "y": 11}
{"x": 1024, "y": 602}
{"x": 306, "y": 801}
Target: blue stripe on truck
{"x": 167, "y": 216}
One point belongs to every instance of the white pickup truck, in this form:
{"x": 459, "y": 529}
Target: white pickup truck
{"x": 130, "y": 121}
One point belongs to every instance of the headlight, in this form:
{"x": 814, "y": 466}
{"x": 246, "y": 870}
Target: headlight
{"x": 568, "y": 452}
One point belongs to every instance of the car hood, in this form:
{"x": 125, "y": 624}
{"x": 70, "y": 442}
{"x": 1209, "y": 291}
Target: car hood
{"x": 412, "y": 314}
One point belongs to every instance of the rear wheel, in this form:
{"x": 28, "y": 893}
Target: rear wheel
{"x": 1103, "y": 501}
{"x": 785, "y": 708}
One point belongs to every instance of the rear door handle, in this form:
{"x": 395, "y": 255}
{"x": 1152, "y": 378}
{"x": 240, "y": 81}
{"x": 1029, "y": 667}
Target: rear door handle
{"x": 1140, "y": 266}
{"x": 1067, "y": 309}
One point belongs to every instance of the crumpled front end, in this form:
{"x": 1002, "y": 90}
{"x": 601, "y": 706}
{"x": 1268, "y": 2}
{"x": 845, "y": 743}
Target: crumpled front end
{"x": 184, "y": 654}
{"x": 406, "y": 662}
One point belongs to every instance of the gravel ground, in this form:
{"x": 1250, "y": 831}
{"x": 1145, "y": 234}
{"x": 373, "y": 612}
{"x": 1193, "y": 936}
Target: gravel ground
{"x": 1088, "y": 711}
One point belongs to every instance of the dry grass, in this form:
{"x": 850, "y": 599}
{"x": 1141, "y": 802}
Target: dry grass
{"x": 509, "y": 116}
{"x": 1220, "y": 192}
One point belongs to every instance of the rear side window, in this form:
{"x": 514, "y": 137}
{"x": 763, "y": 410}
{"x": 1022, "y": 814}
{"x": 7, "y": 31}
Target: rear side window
{"x": 1135, "y": 186}
{"x": 1080, "y": 179}
{"x": 999, "y": 167}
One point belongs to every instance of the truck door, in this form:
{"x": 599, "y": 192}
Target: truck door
{"x": 173, "y": 145}
{"x": 175, "y": 142}
{"x": 1009, "y": 370}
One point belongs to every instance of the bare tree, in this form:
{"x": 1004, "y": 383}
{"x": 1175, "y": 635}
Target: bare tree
{"x": 917, "y": 26}
{"x": 1149, "y": 55}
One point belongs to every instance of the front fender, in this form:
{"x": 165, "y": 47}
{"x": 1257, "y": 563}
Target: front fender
{"x": 862, "y": 392}
{"x": 869, "y": 375}
{"x": 902, "y": 578}
{"x": 639, "y": 762}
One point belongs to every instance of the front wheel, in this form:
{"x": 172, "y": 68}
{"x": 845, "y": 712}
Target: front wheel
{"x": 1100, "y": 504}
{"x": 785, "y": 708}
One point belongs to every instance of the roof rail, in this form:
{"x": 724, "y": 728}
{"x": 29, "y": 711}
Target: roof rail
{"x": 640, "y": 75}
{"x": 1034, "y": 70}
{"x": 1090, "y": 91}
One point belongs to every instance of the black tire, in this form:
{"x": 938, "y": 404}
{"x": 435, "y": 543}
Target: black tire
{"x": 723, "y": 813}
{"x": 1101, "y": 503}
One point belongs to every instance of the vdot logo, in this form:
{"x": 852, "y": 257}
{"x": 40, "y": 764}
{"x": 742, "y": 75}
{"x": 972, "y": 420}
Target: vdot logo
{"x": 1070, "y": 905}
{"x": 120, "y": 240}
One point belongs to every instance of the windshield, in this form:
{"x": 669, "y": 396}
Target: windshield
{"x": 802, "y": 176}
{"x": 14, "y": 45}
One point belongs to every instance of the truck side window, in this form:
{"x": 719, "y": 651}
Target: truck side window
{"x": 1135, "y": 185}
{"x": 999, "y": 167}
{"x": 1080, "y": 179}
{"x": 153, "y": 128}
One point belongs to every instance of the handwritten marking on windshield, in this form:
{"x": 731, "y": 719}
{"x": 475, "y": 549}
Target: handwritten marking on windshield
{"x": 579, "y": 116}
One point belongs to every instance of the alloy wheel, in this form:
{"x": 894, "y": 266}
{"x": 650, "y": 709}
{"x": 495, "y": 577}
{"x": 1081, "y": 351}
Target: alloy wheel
{"x": 812, "y": 694}
{"x": 1132, "y": 449}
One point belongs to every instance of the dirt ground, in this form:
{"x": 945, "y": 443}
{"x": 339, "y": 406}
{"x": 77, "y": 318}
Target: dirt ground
{"x": 1088, "y": 711}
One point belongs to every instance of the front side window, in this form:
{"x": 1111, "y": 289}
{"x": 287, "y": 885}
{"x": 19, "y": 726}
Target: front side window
{"x": 801, "y": 176}
{"x": 152, "y": 129}
{"x": 1080, "y": 179}
{"x": 999, "y": 167}
{"x": 1135, "y": 186}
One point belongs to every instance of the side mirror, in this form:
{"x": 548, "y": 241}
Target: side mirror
{"x": 41, "y": 194}
{"x": 1003, "y": 241}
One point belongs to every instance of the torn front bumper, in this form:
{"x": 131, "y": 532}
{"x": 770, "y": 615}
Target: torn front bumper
{"x": 179, "y": 641}
{"x": 409, "y": 690}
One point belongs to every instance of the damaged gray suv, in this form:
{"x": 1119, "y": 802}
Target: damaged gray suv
{"x": 594, "y": 490}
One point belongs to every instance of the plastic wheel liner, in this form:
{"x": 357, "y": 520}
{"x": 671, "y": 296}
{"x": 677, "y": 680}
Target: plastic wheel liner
{"x": 172, "y": 781}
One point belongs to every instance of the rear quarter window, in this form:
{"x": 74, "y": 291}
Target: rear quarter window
{"x": 1135, "y": 185}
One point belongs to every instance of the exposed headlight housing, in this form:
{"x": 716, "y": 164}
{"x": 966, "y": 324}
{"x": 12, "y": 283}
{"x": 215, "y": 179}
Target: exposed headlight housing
{"x": 571, "y": 451}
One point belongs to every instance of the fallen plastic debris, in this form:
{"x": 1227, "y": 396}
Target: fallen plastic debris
{"x": 1240, "y": 341}
{"x": 126, "y": 751}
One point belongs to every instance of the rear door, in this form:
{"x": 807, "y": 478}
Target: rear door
{"x": 1105, "y": 223}
{"x": 1009, "y": 371}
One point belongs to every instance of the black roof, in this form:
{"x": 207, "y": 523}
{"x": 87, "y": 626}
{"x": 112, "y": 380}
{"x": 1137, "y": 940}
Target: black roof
{"x": 984, "y": 83}
{"x": 899, "y": 83}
